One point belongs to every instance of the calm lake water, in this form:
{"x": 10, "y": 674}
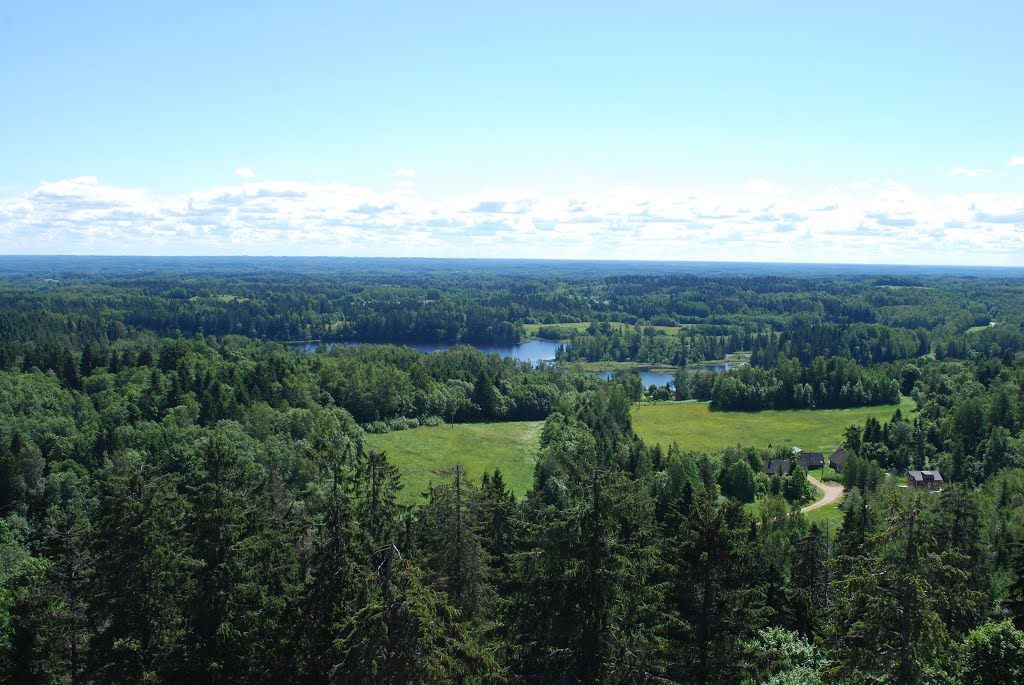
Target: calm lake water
{"x": 648, "y": 378}
{"x": 535, "y": 352}
{"x": 660, "y": 378}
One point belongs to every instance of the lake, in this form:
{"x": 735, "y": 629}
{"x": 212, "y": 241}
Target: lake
{"x": 648, "y": 378}
{"x": 533, "y": 351}
{"x": 660, "y": 378}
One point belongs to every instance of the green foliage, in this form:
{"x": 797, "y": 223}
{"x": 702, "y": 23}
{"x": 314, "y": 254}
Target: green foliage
{"x": 583, "y": 587}
{"x": 405, "y": 632}
{"x": 888, "y": 616}
{"x": 780, "y": 657}
{"x": 739, "y": 482}
{"x": 715, "y": 601}
{"x": 208, "y": 507}
{"x": 451, "y": 542}
{"x": 992, "y": 654}
{"x": 832, "y": 383}
{"x": 796, "y": 487}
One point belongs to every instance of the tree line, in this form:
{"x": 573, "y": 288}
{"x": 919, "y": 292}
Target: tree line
{"x": 267, "y": 545}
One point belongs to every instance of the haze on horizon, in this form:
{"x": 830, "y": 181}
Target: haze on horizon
{"x": 792, "y": 132}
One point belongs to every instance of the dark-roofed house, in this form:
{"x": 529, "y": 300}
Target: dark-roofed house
{"x": 924, "y": 479}
{"x": 838, "y": 460}
{"x": 809, "y": 461}
{"x": 778, "y": 466}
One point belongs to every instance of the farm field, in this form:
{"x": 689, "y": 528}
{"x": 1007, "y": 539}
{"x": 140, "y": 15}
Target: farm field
{"x": 532, "y": 328}
{"x": 421, "y": 454}
{"x": 695, "y": 427}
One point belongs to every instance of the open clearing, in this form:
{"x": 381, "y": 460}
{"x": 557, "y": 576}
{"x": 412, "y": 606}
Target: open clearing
{"x": 695, "y": 427}
{"x": 422, "y": 454}
{"x": 828, "y": 517}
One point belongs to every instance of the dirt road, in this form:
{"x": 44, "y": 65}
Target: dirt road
{"x": 832, "y": 493}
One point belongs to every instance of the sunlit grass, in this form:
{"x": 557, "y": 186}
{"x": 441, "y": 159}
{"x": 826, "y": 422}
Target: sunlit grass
{"x": 423, "y": 454}
{"x": 695, "y": 427}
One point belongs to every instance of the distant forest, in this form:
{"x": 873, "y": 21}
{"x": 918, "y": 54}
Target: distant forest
{"x": 184, "y": 498}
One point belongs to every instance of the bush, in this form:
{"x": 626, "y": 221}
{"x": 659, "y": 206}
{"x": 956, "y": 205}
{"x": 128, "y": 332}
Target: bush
{"x": 992, "y": 655}
{"x": 399, "y": 423}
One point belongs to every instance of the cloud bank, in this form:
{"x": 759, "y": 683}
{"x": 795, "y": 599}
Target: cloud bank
{"x": 869, "y": 222}
{"x": 961, "y": 171}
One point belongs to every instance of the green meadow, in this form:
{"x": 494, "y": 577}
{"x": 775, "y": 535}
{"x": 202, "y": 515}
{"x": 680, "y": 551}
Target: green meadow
{"x": 695, "y": 427}
{"x": 532, "y": 328}
{"x": 829, "y": 516}
{"x": 423, "y": 454}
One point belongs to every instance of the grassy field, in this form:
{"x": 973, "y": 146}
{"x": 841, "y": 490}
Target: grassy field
{"x": 831, "y": 514}
{"x": 423, "y": 453}
{"x": 532, "y": 328}
{"x": 695, "y": 427}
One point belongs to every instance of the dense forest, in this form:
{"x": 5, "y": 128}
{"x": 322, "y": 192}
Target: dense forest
{"x": 183, "y": 498}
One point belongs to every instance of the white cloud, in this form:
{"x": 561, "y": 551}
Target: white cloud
{"x": 762, "y": 187}
{"x": 961, "y": 171}
{"x": 404, "y": 172}
{"x": 1017, "y": 160}
{"x": 245, "y": 172}
{"x": 885, "y": 222}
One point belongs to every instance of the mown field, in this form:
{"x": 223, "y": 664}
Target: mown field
{"x": 422, "y": 454}
{"x": 829, "y": 516}
{"x": 695, "y": 427}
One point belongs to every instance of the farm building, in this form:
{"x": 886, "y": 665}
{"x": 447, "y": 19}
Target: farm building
{"x": 778, "y": 466}
{"x": 838, "y": 460}
{"x": 931, "y": 480}
{"x": 810, "y": 461}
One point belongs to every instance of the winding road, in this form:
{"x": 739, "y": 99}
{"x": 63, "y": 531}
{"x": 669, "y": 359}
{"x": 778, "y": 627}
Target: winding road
{"x": 832, "y": 493}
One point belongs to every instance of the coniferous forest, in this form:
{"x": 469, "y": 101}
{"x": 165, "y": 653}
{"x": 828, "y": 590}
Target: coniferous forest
{"x": 186, "y": 495}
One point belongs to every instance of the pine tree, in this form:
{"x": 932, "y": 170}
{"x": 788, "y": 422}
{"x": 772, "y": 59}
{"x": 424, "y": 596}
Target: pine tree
{"x": 1015, "y": 603}
{"x": 403, "y": 631}
{"x": 338, "y": 546}
{"x": 377, "y": 484}
{"x": 809, "y": 591}
{"x": 142, "y": 574}
{"x": 497, "y": 512}
{"x": 217, "y": 525}
{"x": 69, "y": 574}
{"x": 451, "y": 542}
{"x": 584, "y": 589}
{"x": 887, "y": 619}
{"x": 712, "y": 599}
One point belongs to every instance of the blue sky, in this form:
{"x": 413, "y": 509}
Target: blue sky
{"x": 868, "y": 132}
